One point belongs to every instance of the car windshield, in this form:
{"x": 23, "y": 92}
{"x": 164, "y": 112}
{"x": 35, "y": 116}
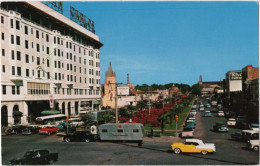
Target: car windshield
{"x": 28, "y": 154}
{"x": 255, "y": 125}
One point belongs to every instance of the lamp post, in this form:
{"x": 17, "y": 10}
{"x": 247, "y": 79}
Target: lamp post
{"x": 116, "y": 100}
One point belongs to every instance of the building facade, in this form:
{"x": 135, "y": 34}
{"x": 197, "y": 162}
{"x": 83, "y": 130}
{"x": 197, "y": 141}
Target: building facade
{"x": 46, "y": 56}
{"x": 233, "y": 81}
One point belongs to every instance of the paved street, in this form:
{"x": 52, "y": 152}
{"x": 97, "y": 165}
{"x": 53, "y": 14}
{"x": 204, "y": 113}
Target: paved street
{"x": 153, "y": 151}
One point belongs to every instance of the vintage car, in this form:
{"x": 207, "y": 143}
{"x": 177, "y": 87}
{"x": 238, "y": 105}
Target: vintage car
{"x": 254, "y": 126}
{"x": 193, "y": 119}
{"x": 48, "y": 130}
{"x": 16, "y": 129}
{"x": 221, "y": 113}
{"x": 80, "y": 136}
{"x": 187, "y": 132}
{"x": 190, "y": 124}
{"x": 193, "y": 146}
{"x": 65, "y": 130}
{"x": 31, "y": 129}
{"x": 231, "y": 122}
{"x": 245, "y": 135}
{"x": 36, "y": 157}
{"x": 207, "y": 114}
{"x": 253, "y": 144}
{"x": 62, "y": 124}
{"x": 202, "y": 108}
{"x": 208, "y": 105}
{"x": 220, "y": 127}
{"x": 76, "y": 122}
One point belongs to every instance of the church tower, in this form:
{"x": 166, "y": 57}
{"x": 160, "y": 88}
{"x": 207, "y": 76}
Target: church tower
{"x": 200, "y": 80}
{"x": 109, "y": 88}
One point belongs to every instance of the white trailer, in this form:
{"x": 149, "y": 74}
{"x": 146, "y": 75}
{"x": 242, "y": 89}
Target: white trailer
{"x": 122, "y": 132}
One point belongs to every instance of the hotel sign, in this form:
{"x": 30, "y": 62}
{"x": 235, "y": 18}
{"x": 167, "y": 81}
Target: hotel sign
{"x": 57, "y": 6}
{"x": 81, "y": 19}
{"x": 235, "y": 75}
{"x": 122, "y": 91}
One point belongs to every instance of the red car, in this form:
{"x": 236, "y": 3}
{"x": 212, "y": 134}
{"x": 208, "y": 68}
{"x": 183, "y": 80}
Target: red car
{"x": 48, "y": 130}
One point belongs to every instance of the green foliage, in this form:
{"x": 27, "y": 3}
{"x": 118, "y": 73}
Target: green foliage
{"x": 124, "y": 112}
{"x": 184, "y": 87}
{"x": 106, "y": 117}
{"x": 196, "y": 89}
{"x": 141, "y": 105}
{"x": 88, "y": 119}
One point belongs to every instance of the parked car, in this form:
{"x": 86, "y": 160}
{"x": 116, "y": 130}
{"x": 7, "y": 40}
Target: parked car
{"x": 193, "y": 146}
{"x": 220, "y": 127}
{"x": 241, "y": 120}
{"x": 190, "y": 124}
{"x": 253, "y": 144}
{"x": 193, "y": 112}
{"x": 192, "y": 118}
{"x": 194, "y": 106}
{"x": 36, "y": 157}
{"x": 231, "y": 122}
{"x": 254, "y": 126}
{"x": 208, "y": 105}
{"x": 62, "y": 124}
{"x": 207, "y": 114}
{"x": 32, "y": 129}
{"x": 245, "y": 135}
{"x": 65, "y": 130}
{"x": 187, "y": 132}
{"x": 16, "y": 129}
{"x": 202, "y": 108}
{"x": 221, "y": 113}
{"x": 80, "y": 136}
{"x": 76, "y": 122}
{"x": 48, "y": 130}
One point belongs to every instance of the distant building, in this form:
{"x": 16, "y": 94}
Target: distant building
{"x": 233, "y": 81}
{"x": 249, "y": 73}
{"x": 209, "y": 87}
{"x": 108, "y": 99}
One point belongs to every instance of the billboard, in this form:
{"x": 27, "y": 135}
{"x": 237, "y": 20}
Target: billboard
{"x": 235, "y": 75}
{"x": 123, "y": 90}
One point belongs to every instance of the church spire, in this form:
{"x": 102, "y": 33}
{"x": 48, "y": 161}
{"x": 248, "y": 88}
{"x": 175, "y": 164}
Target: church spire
{"x": 110, "y": 72}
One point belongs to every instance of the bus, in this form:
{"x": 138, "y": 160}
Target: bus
{"x": 51, "y": 119}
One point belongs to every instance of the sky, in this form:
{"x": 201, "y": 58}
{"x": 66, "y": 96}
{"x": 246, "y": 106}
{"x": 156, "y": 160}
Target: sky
{"x": 173, "y": 42}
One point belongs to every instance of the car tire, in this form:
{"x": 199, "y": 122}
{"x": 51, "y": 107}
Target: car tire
{"x": 177, "y": 151}
{"x": 204, "y": 152}
{"x": 256, "y": 148}
{"x": 87, "y": 140}
{"x": 67, "y": 139}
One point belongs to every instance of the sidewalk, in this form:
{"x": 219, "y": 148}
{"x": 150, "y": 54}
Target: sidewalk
{"x": 170, "y": 139}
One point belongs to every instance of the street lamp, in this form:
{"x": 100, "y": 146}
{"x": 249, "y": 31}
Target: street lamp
{"x": 116, "y": 100}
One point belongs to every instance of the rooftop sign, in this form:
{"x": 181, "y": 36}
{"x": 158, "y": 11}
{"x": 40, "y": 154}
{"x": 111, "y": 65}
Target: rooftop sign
{"x": 81, "y": 19}
{"x": 235, "y": 75}
{"x": 57, "y": 6}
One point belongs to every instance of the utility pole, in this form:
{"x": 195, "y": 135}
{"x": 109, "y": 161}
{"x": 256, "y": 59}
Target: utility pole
{"x": 116, "y": 100}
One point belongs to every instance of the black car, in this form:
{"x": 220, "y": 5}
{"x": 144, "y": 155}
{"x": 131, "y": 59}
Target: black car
{"x": 15, "y": 129}
{"x": 245, "y": 135}
{"x": 36, "y": 157}
{"x": 30, "y": 130}
{"x": 79, "y": 136}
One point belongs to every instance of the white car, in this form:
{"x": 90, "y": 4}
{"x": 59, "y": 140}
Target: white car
{"x": 202, "y": 108}
{"x": 231, "y": 122}
{"x": 194, "y": 106}
{"x": 253, "y": 144}
{"x": 221, "y": 113}
{"x": 193, "y": 112}
{"x": 254, "y": 126}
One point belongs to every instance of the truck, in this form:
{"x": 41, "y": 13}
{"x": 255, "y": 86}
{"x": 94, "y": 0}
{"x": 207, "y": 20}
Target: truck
{"x": 122, "y": 132}
{"x": 36, "y": 157}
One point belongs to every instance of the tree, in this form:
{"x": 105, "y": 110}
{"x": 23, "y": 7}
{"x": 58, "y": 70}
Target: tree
{"x": 196, "y": 89}
{"x": 123, "y": 112}
{"x": 106, "y": 117}
{"x": 88, "y": 119}
{"x": 141, "y": 105}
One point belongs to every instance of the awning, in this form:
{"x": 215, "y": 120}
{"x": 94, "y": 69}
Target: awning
{"x": 50, "y": 112}
{"x": 58, "y": 85}
{"x": 95, "y": 102}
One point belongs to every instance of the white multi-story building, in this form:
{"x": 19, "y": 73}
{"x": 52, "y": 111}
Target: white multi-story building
{"x": 46, "y": 54}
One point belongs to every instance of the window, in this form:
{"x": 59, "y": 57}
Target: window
{"x": 38, "y": 47}
{"x": 3, "y": 68}
{"x": 48, "y": 50}
{"x": 32, "y": 44}
{"x": 135, "y": 130}
{"x": 55, "y": 64}
{"x": 2, "y": 19}
{"x": 32, "y": 58}
{"x": 26, "y": 58}
{"x": 70, "y": 56}
{"x": 37, "y": 34}
{"x": 120, "y": 130}
{"x": 13, "y": 70}
{"x": 26, "y": 44}
{"x": 58, "y": 52}
{"x": 3, "y": 52}
{"x": 58, "y": 40}
{"x": 31, "y": 31}
{"x": 48, "y": 75}
{"x": 59, "y": 76}
{"x": 18, "y": 40}
{"x": 19, "y": 72}
{"x": 18, "y": 55}
{"x": 17, "y": 25}
{"x": 38, "y": 60}
{"x": 26, "y": 30}
{"x": 54, "y": 51}
{"x": 12, "y": 39}
{"x": 12, "y": 23}
{"x": 48, "y": 63}
{"x": 47, "y": 37}
{"x": 4, "y": 89}
{"x": 27, "y": 72}
{"x": 75, "y": 69}
{"x": 58, "y": 64}
{"x": 3, "y": 36}
{"x": 54, "y": 39}
{"x": 67, "y": 45}
{"x": 104, "y": 130}
{"x": 13, "y": 90}
{"x": 12, "y": 54}
{"x": 39, "y": 74}
{"x": 18, "y": 90}
{"x": 55, "y": 76}
{"x": 33, "y": 72}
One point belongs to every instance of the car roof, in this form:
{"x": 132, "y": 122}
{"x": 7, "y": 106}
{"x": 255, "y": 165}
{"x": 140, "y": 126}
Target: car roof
{"x": 231, "y": 119}
{"x": 250, "y": 131}
{"x": 193, "y": 140}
